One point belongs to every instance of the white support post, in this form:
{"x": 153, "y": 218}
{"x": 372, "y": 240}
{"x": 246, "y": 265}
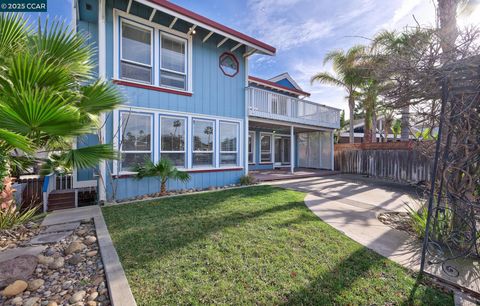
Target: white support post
{"x": 292, "y": 150}
{"x": 333, "y": 150}
{"x": 102, "y": 67}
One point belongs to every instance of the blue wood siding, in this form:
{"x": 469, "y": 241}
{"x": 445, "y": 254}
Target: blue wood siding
{"x": 286, "y": 83}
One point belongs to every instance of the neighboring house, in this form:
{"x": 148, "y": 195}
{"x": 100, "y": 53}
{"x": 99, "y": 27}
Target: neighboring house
{"x": 189, "y": 98}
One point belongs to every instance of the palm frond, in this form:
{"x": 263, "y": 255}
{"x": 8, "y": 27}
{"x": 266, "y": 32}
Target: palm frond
{"x": 99, "y": 97}
{"x": 14, "y": 31}
{"x": 15, "y": 141}
{"x": 88, "y": 157}
{"x": 326, "y": 78}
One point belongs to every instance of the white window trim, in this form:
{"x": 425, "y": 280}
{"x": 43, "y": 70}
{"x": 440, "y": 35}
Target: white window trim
{"x": 214, "y": 138}
{"x": 252, "y": 135}
{"x": 157, "y": 29}
{"x": 152, "y": 50}
{"x": 271, "y": 148}
{"x": 185, "y": 121}
{"x": 237, "y": 126}
{"x": 189, "y": 138}
{"x": 120, "y": 136}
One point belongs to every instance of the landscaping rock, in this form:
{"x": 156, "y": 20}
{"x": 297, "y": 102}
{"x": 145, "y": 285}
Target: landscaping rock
{"x": 90, "y": 240}
{"x": 35, "y": 284}
{"x": 91, "y": 303}
{"x": 18, "y": 268}
{"x": 52, "y": 303}
{"x": 77, "y": 296}
{"x": 31, "y": 301}
{"x": 57, "y": 263}
{"x": 75, "y": 259}
{"x": 16, "y": 288}
{"x": 92, "y": 296}
{"x": 92, "y": 253}
{"x": 45, "y": 260}
{"x": 17, "y": 301}
{"x": 75, "y": 247}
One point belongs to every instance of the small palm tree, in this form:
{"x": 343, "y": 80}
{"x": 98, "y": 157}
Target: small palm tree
{"x": 346, "y": 75}
{"x": 163, "y": 170}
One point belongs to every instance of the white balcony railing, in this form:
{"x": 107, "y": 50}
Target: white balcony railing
{"x": 270, "y": 105}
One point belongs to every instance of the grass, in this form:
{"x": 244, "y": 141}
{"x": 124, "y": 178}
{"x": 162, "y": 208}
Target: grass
{"x": 257, "y": 245}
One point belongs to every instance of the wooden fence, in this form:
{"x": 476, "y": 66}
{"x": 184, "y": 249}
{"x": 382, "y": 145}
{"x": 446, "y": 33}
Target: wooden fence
{"x": 394, "y": 160}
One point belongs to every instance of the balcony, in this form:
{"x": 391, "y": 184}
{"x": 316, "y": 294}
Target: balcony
{"x": 270, "y": 105}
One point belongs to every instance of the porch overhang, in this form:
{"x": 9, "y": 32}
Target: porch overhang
{"x": 210, "y": 27}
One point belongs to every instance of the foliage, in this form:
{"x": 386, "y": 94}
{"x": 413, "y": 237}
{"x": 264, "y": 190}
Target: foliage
{"x": 163, "y": 170}
{"x": 441, "y": 224}
{"x": 347, "y": 75}
{"x": 247, "y": 180}
{"x": 426, "y": 134}
{"x": 49, "y": 94}
{"x": 396, "y": 128}
{"x": 257, "y": 245}
{"x": 10, "y": 216}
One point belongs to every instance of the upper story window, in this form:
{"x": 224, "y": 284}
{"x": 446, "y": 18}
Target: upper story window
{"x": 229, "y": 64}
{"x": 136, "y": 53}
{"x": 173, "y": 62}
{"x": 152, "y": 54}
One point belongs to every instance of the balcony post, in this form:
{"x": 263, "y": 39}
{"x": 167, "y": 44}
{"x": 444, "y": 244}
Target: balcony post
{"x": 292, "y": 150}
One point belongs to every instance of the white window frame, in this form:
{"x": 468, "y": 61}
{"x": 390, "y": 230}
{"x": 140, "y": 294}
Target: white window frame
{"x": 119, "y": 15}
{"x": 252, "y": 136}
{"x": 271, "y": 148}
{"x": 237, "y": 144}
{"x": 185, "y": 121}
{"x": 121, "y": 131}
{"x": 214, "y": 138}
{"x": 184, "y": 73}
{"x": 152, "y": 50}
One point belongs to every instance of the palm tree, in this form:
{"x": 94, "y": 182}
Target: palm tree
{"x": 48, "y": 94}
{"x": 346, "y": 75}
{"x": 163, "y": 170}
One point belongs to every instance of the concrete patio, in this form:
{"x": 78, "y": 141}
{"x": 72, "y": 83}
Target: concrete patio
{"x": 285, "y": 174}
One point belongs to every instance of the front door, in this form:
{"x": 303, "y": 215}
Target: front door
{"x": 282, "y": 151}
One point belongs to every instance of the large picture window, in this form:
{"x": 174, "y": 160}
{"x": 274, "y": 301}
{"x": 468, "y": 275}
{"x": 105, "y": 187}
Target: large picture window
{"x": 203, "y": 143}
{"x": 136, "y": 53}
{"x": 228, "y": 144}
{"x": 266, "y": 148}
{"x": 251, "y": 147}
{"x": 173, "y": 61}
{"x": 172, "y": 142}
{"x": 136, "y": 140}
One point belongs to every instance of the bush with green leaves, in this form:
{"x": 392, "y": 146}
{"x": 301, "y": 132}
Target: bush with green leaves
{"x": 164, "y": 170}
{"x": 247, "y": 180}
{"x": 49, "y": 95}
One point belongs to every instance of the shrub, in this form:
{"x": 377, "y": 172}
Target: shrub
{"x": 440, "y": 225}
{"x": 10, "y": 216}
{"x": 247, "y": 180}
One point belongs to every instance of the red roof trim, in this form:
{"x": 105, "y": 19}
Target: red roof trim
{"x": 152, "y": 87}
{"x": 214, "y": 24}
{"x": 278, "y": 86}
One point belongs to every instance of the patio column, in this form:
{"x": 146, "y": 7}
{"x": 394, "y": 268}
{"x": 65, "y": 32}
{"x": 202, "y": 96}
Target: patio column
{"x": 292, "y": 150}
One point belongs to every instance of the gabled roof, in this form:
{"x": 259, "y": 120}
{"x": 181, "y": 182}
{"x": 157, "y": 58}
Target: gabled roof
{"x": 270, "y": 84}
{"x": 288, "y": 77}
{"x": 210, "y": 25}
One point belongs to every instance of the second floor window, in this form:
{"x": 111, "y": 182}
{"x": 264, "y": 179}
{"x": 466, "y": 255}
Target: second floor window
{"x": 173, "y": 62}
{"x": 136, "y": 53}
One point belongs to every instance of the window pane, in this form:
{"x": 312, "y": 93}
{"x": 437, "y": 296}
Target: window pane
{"x": 135, "y": 72}
{"x": 265, "y": 143}
{"x": 129, "y": 160}
{"x": 228, "y": 159}
{"x": 136, "y": 133}
{"x": 266, "y": 157}
{"x": 136, "y": 43}
{"x": 228, "y": 136}
{"x": 228, "y": 65}
{"x": 173, "y": 134}
{"x": 172, "y": 79}
{"x": 250, "y": 148}
{"x": 202, "y": 159}
{"x": 173, "y": 54}
{"x": 250, "y": 157}
{"x": 177, "y": 159}
{"x": 203, "y": 135}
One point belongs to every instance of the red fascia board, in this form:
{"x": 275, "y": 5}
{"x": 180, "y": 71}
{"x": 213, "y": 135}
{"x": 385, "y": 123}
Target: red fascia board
{"x": 183, "y": 11}
{"x": 275, "y": 85}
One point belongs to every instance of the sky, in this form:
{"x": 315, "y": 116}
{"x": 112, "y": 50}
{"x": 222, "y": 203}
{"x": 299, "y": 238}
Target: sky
{"x": 303, "y": 31}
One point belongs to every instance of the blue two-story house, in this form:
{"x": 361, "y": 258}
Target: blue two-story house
{"x": 189, "y": 98}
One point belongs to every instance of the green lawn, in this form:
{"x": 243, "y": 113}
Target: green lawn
{"x": 257, "y": 245}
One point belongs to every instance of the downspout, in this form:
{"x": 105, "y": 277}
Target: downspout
{"x": 102, "y": 193}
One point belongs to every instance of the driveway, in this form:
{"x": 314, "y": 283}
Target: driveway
{"x": 351, "y": 204}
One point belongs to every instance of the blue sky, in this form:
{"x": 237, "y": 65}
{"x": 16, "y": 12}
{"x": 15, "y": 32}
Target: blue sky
{"x": 304, "y": 30}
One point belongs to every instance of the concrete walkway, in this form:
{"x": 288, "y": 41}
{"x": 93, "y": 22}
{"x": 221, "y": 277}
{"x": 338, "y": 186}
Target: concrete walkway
{"x": 352, "y": 203}
{"x": 118, "y": 288}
